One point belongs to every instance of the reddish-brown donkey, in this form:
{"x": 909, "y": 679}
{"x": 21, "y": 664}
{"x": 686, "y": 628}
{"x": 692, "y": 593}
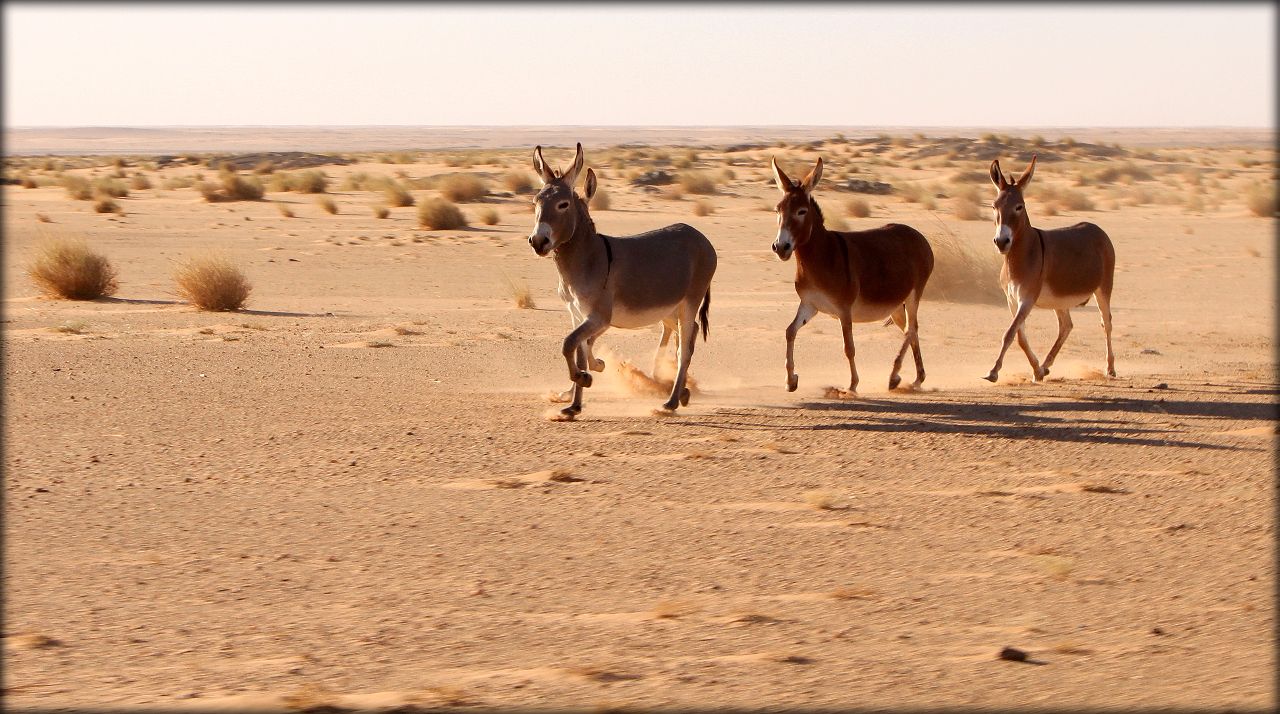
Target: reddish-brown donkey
{"x": 1057, "y": 269}
{"x": 854, "y": 276}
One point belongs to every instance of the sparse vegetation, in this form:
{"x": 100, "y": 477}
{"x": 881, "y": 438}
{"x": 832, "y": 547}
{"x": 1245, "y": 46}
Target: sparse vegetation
{"x": 963, "y": 273}
{"x": 857, "y": 207}
{"x": 488, "y": 216}
{"x": 521, "y": 296}
{"x": 1261, "y": 199}
{"x": 284, "y": 210}
{"x": 697, "y": 182}
{"x": 140, "y": 182}
{"x": 438, "y": 214}
{"x": 600, "y": 201}
{"x": 77, "y": 187}
{"x": 397, "y": 195}
{"x": 212, "y": 283}
{"x": 105, "y": 204}
{"x": 381, "y": 212}
{"x": 703, "y": 207}
{"x": 462, "y": 188}
{"x": 68, "y": 268}
{"x": 328, "y": 205}
{"x": 517, "y": 182}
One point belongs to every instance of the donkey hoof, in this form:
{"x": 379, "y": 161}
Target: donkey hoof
{"x": 684, "y": 397}
{"x": 792, "y": 382}
{"x": 571, "y": 411}
{"x": 992, "y": 377}
{"x": 597, "y": 365}
{"x": 1111, "y": 373}
{"x": 560, "y": 397}
{"x": 582, "y": 379}
{"x": 894, "y": 381}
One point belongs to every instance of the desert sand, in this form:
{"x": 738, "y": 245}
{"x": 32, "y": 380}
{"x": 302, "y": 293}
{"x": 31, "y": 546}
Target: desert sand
{"x": 349, "y": 494}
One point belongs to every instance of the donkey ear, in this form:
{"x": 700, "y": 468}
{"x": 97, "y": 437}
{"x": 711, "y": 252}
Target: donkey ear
{"x": 540, "y": 165}
{"x": 571, "y": 176}
{"x": 997, "y": 178}
{"x": 780, "y": 178}
{"x": 590, "y": 188}
{"x": 810, "y": 181}
{"x": 1025, "y": 178}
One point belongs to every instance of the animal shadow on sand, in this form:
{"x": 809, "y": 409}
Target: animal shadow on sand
{"x": 1018, "y": 421}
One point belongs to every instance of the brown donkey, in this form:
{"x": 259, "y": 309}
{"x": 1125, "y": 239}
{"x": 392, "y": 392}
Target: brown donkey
{"x": 854, "y": 276}
{"x": 1057, "y": 269}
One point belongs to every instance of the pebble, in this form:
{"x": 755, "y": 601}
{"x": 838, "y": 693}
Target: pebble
{"x": 1013, "y": 654}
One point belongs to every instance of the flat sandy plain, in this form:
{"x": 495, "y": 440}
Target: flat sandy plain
{"x": 349, "y": 495}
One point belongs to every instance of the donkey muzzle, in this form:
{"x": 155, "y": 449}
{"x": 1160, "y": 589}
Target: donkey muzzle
{"x": 540, "y": 244}
{"x": 1003, "y": 239}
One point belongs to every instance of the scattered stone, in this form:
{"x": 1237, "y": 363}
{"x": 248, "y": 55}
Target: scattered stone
{"x": 652, "y": 178}
{"x": 1013, "y": 654}
{"x": 1157, "y": 631}
{"x": 1149, "y": 351}
{"x": 878, "y": 188}
{"x": 1162, "y": 385}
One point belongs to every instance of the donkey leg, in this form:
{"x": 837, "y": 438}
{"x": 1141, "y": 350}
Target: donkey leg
{"x": 913, "y": 329}
{"x": 804, "y": 314}
{"x": 1104, "y": 307}
{"x": 1064, "y": 329}
{"x": 591, "y": 327}
{"x": 668, "y": 327}
{"x": 575, "y": 406}
{"x": 687, "y": 326}
{"x": 899, "y": 318}
{"x": 1015, "y": 329}
{"x": 1037, "y": 371}
{"x": 846, "y": 329}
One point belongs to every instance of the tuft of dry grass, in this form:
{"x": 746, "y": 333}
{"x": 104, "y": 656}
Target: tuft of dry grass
{"x": 327, "y": 205}
{"x": 521, "y": 296}
{"x": 284, "y": 210}
{"x": 703, "y": 207}
{"x": 488, "y": 216}
{"x": 398, "y": 196}
{"x": 110, "y": 187}
{"x": 381, "y": 212}
{"x": 43, "y": 218}
{"x": 71, "y": 327}
{"x": 517, "y": 182}
{"x": 697, "y": 182}
{"x": 833, "y": 222}
{"x": 140, "y": 182}
{"x": 462, "y": 188}
{"x": 1055, "y": 566}
{"x": 965, "y": 208}
{"x": 1261, "y": 199}
{"x": 857, "y": 208}
{"x": 77, "y": 187}
{"x": 671, "y": 609}
{"x": 68, "y": 268}
{"x": 962, "y": 272}
{"x": 105, "y": 204}
{"x": 212, "y": 283}
{"x": 438, "y": 214}
{"x": 600, "y": 201}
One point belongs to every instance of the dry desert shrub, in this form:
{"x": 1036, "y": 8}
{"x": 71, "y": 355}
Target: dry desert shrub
{"x": 600, "y": 201}
{"x": 311, "y": 181}
{"x": 820, "y": 499}
{"x": 284, "y": 210}
{"x": 327, "y": 205}
{"x": 834, "y": 223}
{"x": 1075, "y": 200}
{"x": 177, "y": 182}
{"x": 266, "y": 166}
{"x": 963, "y": 273}
{"x": 488, "y": 216}
{"x": 28, "y": 182}
{"x": 381, "y": 212}
{"x": 232, "y": 187}
{"x": 1261, "y": 199}
{"x": 43, "y": 218}
{"x": 105, "y": 204}
{"x": 697, "y": 182}
{"x": 964, "y": 205}
{"x": 857, "y": 207}
{"x": 521, "y": 296}
{"x": 212, "y": 283}
{"x": 77, "y": 187}
{"x": 110, "y": 187}
{"x": 140, "y": 182}
{"x": 517, "y": 182}
{"x": 69, "y": 269}
{"x": 397, "y": 195}
{"x": 462, "y": 187}
{"x": 703, "y": 207}
{"x": 437, "y": 214}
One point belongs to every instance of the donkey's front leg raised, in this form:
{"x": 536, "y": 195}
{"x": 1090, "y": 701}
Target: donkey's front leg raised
{"x": 589, "y": 329}
{"x": 1019, "y": 317}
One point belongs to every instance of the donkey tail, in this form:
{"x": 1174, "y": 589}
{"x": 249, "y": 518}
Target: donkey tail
{"x": 702, "y": 314}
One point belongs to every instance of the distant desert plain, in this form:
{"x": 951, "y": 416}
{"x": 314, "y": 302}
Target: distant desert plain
{"x": 348, "y": 495}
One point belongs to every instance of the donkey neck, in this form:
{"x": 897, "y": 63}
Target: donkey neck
{"x": 583, "y": 259}
{"x": 1026, "y": 256}
{"x": 825, "y": 255}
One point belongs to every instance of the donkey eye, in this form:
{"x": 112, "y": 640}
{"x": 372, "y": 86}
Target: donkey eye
{"x": 1017, "y": 208}
{"x": 800, "y": 213}
{"x": 562, "y": 205}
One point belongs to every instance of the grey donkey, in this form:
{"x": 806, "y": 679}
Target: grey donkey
{"x": 661, "y": 276}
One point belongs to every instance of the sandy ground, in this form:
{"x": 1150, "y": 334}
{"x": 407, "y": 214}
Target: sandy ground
{"x": 349, "y": 494}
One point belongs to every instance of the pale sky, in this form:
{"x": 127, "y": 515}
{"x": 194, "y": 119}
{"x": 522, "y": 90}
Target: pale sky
{"x": 641, "y": 64}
